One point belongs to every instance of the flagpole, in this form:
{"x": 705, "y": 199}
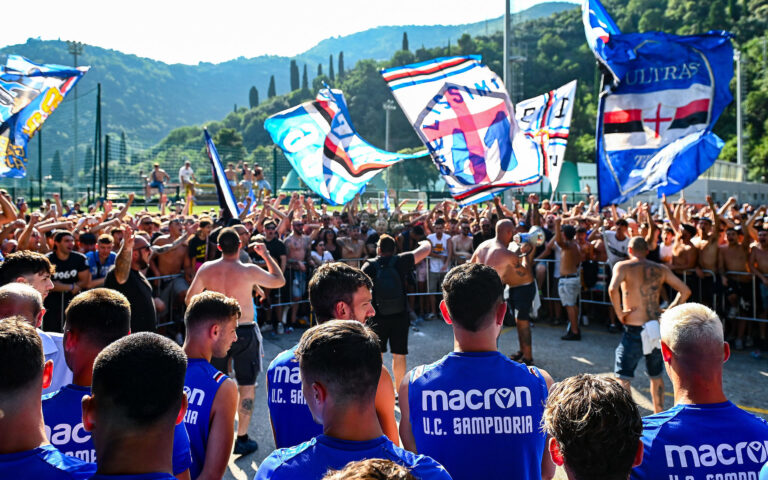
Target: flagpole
{"x": 739, "y": 132}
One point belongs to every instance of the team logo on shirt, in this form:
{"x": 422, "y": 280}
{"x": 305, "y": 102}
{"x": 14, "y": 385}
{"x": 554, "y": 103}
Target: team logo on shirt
{"x": 475, "y": 399}
{"x": 711, "y": 455}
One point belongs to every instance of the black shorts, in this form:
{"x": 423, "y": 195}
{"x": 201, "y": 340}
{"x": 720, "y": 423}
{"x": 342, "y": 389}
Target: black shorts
{"x": 392, "y": 329}
{"x": 246, "y": 354}
{"x": 521, "y": 299}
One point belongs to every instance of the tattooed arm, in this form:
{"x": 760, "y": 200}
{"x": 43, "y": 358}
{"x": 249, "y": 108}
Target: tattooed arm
{"x": 124, "y": 256}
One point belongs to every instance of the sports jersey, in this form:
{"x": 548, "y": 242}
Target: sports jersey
{"x": 139, "y": 476}
{"x": 62, "y": 414}
{"x": 764, "y": 472}
{"x": 617, "y": 250}
{"x": 473, "y": 405}
{"x": 98, "y": 269}
{"x": 439, "y": 247}
{"x": 291, "y": 419}
{"x": 311, "y": 460}
{"x": 201, "y": 383}
{"x": 717, "y": 440}
{"x": 44, "y": 462}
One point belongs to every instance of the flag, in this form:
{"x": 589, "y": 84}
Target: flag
{"x": 387, "y": 206}
{"x": 654, "y": 126}
{"x": 227, "y": 200}
{"x": 321, "y": 144}
{"x": 547, "y": 120}
{"x": 599, "y": 27}
{"x": 29, "y": 93}
{"x": 462, "y": 113}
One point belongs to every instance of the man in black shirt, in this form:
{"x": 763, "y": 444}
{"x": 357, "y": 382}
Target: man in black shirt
{"x": 70, "y": 277}
{"x": 127, "y": 279}
{"x": 277, "y": 250}
{"x": 391, "y": 321}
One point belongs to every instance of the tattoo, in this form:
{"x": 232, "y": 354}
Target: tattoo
{"x": 123, "y": 263}
{"x": 649, "y": 290}
{"x": 524, "y": 333}
{"x": 247, "y": 404}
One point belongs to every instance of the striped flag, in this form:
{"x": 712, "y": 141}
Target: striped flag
{"x": 227, "y": 200}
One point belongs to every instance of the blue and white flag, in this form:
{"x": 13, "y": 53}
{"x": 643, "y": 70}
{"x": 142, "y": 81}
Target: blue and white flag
{"x": 599, "y": 27}
{"x": 227, "y": 200}
{"x": 462, "y": 113}
{"x": 29, "y": 93}
{"x": 321, "y": 144}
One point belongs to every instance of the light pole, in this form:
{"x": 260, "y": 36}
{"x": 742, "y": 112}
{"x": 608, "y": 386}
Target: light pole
{"x": 388, "y": 106}
{"x": 739, "y": 133}
{"x": 75, "y": 49}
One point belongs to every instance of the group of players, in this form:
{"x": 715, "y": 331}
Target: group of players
{"x": 331, "y": 400}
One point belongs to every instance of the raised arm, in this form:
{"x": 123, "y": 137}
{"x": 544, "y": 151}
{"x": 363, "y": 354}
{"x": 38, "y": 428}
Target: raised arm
{"x": 123, "y": 260}
{"x": 273, "y": 277}
{"x": 422, "y": 251}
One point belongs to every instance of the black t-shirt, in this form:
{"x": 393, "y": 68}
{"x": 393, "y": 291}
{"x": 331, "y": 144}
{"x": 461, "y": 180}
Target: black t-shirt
{"x": 479, "y": 238}
{"x": 372, "y": 239}
{"x": 197, "y": 251}
{"x": 138, "y": 291}
{"x": 276, "y": 248}
{"x": 404, "y": 265}
{"x": 56, "y": 302}
{"x": 547, "y": 237}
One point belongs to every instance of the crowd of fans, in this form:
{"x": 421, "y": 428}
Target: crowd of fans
{"x": 98, "y": 274}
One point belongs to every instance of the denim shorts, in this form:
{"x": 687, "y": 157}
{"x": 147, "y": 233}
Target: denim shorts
{"x": 630, "y": 351}
{"x": 158, "y": 185}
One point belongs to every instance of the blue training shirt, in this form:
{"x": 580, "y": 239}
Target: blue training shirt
{"x": 201, "y": 383}
{"x": 44, "y": 462}
{"x": 99, "y": 270}
{"x": 707, "y": 441}
{"x": 764, "y": 472}
{"x": 63, "y": 417}
{"x": 291, "y": 418}
{"x": 311, "y": 460}
{"x": 479, "y": 405}
{"x": 140, "y": 476}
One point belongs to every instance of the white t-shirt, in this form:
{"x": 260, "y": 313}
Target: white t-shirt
{"x": 616, "y": 249}
{"x": 439, "y": 247}
{"x": 326, "y": 258}
{"x": 185, "y": 174}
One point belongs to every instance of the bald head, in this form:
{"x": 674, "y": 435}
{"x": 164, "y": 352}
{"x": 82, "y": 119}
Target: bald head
{"x": 21, "y": 299}
{"x": 638, "y": 247}
{"x": 504, "y": 230}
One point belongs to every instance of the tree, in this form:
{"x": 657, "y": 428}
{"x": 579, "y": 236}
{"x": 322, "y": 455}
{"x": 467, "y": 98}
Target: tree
{"x": 330, "y": 68}
{"x": 294, "y": 76}
{"x": 57, "y": 174}
{"x": 405, "y": 41}
{"x": 319, "y": 69}
{"x": 271, "y": 89}
{"x": 305, "y": 80}
{"x": 253, "y": 97}
{"x": 122, "y": 152}
{"x": 341, "y": 65}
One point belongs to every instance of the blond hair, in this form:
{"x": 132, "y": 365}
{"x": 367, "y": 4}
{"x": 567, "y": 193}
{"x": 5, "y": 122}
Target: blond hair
{"x": 690, "y": 328}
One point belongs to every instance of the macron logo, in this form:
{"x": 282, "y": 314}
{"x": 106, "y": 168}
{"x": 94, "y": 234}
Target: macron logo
{"x": 475, "y": 399}
{"x": 711, "y": 455}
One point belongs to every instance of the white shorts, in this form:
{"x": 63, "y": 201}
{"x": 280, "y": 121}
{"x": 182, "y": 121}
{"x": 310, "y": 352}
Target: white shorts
{"x": 569, "y": 289}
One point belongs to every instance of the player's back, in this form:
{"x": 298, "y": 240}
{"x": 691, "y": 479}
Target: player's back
{"x": 45, "y": 462}
{"x": 201, "y": 383}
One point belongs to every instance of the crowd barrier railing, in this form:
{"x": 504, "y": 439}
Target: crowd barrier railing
{"x": 756, "y": 294}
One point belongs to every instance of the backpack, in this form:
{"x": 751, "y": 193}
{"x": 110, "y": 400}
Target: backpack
{"x": 388, "y": 289}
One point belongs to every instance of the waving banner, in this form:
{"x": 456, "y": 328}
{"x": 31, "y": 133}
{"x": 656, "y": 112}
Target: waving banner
{"x": 462, "y": 113}
{"x": 547, "y": 120}
{"x": 227, "y": 200}
{"x": 29, "y": 93}
{"x": 655, "y": 119}
{"x": 321, "y": 144}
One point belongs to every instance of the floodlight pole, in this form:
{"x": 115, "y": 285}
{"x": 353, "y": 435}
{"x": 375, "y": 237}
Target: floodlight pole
{"x": 507, "y": 19}
{"x": 388, "y": 106}
{"x": 739, "y": 131}
{"x": 75, "y": 48}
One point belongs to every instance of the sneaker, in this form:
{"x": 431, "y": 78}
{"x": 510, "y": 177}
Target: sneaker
{"x": 738, "y": 344}
{"x": 585, "y": 320}
{"x": 280, "y": 328}
{"x": 571, "y": 336}
{"x": 613, "y": 328}
{"x": 517, "y": 356}
{"x": 244, "y": 447}
{"x": 429, "y": 316}
{"x": 288, "y": 329}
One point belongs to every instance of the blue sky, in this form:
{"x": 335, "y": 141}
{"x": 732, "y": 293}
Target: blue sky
{"x": 191, "y": 31}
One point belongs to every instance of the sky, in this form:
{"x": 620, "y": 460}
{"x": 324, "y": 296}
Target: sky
{"x": 192, "y": 31}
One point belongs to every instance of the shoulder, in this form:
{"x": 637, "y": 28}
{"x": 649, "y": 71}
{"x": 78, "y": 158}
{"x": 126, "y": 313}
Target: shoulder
{"x": 68, "y": 466}
{"x": 284, "y": 357}
{"x": 274, "y": 465}
{"x": 423, "y": 467}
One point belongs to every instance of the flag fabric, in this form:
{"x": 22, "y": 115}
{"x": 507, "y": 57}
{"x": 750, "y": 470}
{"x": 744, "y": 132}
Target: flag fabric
{"x": 322, "y": 146}
{"x": 547, "y": 120}
{"x": 227, "y": 200}
{"x": 462, "y": 113}
{"x": 599, "y": 27}
{"x": 654, "y": 128}
{"x": 29, "y": 93}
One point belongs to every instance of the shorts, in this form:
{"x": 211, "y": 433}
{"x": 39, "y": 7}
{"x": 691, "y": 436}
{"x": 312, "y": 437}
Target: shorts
{"x": 246, "y": 355}
{"x": 298, "y": 284}
{"x": 744, "y": 293}
{"x": 392, "y": 329}
{"x": 232, "y": 183}
{"x": 764, "y": 295}
{"x": 264, "y": 185}
{"x": 171, "y": 288}
{"x": 436, "y": 280}
{"x": 569, "y": 289}
{"x": 521, "y": 299}
{"x": 246, "y": 184}
{"x": 630, "y": 351}
{"x": 421, "y": 272}
{"x": 160, "y": 186}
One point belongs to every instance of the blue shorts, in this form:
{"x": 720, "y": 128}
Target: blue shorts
{"x": 630, "y": 351}
{"x": 298, "y": 284}
{"x": 158, "y": 185}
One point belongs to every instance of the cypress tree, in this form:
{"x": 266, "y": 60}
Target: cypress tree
{"x": 341, "y": 64}
{"x": 56, "y": 171}
{"x": 330, "y": 68}
{"x": 405, "y": 41}
{"x": 271, "y": 89}
{"x": 294, "y": 76}
{"x": 305, "y": 80}
{"x": 253, "y": 97}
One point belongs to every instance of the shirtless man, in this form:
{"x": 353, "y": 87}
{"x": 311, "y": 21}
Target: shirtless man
{"x": 247, "y": 183}
{"x": 297, "y": 245}
{"x": 734, "y": 258}
{"x": 638, "y": 309}
{"x": 156, "y": 179}
{"x": 231, "y": 175}
{"x": 236, "y": 280}
{"x": 758, "y": 262}
{"x": 707, "y": 239}
{"x": 569, "y": 285}
{"x": 352, "y": 246}
{"x": 513, "y": 263}
{"x": 170, "y": 260}
{"x": 462, "y": 244}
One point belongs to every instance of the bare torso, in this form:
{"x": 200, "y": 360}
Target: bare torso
{"x": 708, "y": 253}
{"x": 640, "y": 290}
{"x": 351, "y": 249}
{"x": 233, "y": 279}
{"x": 172, "y": 261}
{"x": 684, "y": 256}
{"x": 570, "y": 258}
{"x": 462, "y": 247}
{"x": 513, "y": 270}
{"x": 297, "y": 248}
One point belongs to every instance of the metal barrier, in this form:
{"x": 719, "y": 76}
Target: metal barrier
{"x": 755, "y": 293}
{"x": 169, "y": 307}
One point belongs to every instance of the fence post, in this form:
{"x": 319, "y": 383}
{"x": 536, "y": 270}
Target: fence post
{"x": 275, "y": 186}
{"x": 106, "y": 167}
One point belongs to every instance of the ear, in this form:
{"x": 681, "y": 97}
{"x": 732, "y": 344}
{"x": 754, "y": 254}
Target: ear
{"x": 444, "y": 311}
{"x": 501, "y": 311}
{"x": 218, "y": 247}
{"x": 639, "y": 454}
{"x": 183, "y": 409}
{"x": 319, "y": 392}
{"x": 341, "y": 311}
{"x": 213, "y": 330}
{"x": 88, "y": 405}
{"x": 666, "y": 352}
{"x": 726, "y": 351}
{"x": 554, "y": 452}
{"x": 47, "y": 374}
{"x": 21, "y": 280}
{"x": 39, "y": 318}
{"x": 70, "y": 340}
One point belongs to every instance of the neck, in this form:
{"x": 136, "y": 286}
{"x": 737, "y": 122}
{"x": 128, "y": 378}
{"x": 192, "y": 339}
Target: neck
{"x": 151, "y": 450}
{"x": 26, "y": 423}
{"x": 82, "y": 373}
{"x": 61, "y": 255}
{"x": 697, "y": 389}
{"x": 481, "y": 341}
{"x": 231, "y": 256}
{"x": 197, "y": 349}
{"x": 353, "y": 422}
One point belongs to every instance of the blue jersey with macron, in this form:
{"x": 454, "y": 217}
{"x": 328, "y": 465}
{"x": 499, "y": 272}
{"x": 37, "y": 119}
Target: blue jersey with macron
{"x": 140, "y": 476}
{"x": 473, "y": 405}
{"x": 716, "y": 441}
{"x": 63, "y": 417}
{"x": 764, "y": 472}
{"x": 200, "y": 384}
{"x": 44, "y": 462}
{"x": 291, "y": 419}
{"x": 311, "y": 460}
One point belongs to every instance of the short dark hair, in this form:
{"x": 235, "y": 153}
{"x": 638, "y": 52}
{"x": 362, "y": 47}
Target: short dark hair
{"x": 589, "y": 415}
{"x": 371, "y": 469}
{"x": 139, "y": 379}
{"x": 59, "y": 235}
{"x": 106, "y": 238}
{"x": 21, "y": 356}
{"x": 87, "y": 239}
{"x": 439, "y": 221}
{"x": 472, "y": 291}
{"x": 569, "y": 232}
{"x": 23, "y": 263}
{"x": 343, "y": 354}
{"x": 387, "y": 244}
{"x": 102, "y": 315}
{"x": 622, "y": 223}
{"x": 332, "y": 283}
{"x": 210, "y": 307}
{"x": 228, "y": 240}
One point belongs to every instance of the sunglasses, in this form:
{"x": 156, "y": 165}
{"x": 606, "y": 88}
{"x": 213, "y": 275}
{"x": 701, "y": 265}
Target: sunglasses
{"x": 270, "y": 228}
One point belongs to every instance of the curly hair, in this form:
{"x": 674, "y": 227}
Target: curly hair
{"x": 371, "y": 469}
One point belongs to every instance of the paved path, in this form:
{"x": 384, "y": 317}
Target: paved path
{"x": 745, "y": 378}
